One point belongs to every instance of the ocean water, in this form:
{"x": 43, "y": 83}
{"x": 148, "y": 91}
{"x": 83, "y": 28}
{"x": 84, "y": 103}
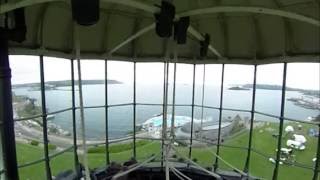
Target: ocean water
{"x": 120, "y": 118}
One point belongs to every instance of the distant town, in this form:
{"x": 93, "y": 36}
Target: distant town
{"x": 52, "y": 85}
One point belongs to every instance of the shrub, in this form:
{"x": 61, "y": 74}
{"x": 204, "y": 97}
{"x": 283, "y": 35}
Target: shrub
{"x": 181, "y": 160}
{"x": 117, "y": 147}
{"x": 34, "y": 143}
{"x": 52, "y": 147}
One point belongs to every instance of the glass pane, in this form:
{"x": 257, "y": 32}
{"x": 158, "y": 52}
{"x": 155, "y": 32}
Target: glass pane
{"x": 302, "y": 132}
{"x": 95, "y": 133}
{"x": 26, "y": 94}
{"x": 236, "y": 79}
{"x": 184, "y": 82}
{"x": 269, "y": 85}
{"x": 264, "y": 145}
{"x": 57, "y": 75}
{"x": 62, "y": 163}
{"x": 293, "y": 172}
{"x": 299, "y": 147}
{"x": 34, "y": 172}
{"x": 121, "y": 91}
{"x": 28, "y": 153}
{"x": 302, "y": 92}
{"x": 121, "y": 126}
{"x": 26, "y": 99}
{"x": 146, "y": 114}
{"x": 94, "y": 123}
{"x": 147, "y": 148}
{"x": 261, "y": 166}
{"x": 206, "y": 134}
{"x": 93, "y": 82}
{"x": 198, "y": 85}
{"x": 183, "y": 130}
{"x": 61, "y": 139}
{"x": 149, "y": 83}
{"x": 234, "y": 139}
{"x": 96, "y": 156}
{"x": 212, "y": 85}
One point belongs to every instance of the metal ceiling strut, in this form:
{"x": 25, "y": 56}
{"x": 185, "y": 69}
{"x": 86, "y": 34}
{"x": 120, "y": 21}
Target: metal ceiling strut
{"x": 251, "y": 9}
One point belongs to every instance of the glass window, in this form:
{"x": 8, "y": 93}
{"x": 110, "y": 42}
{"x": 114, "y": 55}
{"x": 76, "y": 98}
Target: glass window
{"x": 149, "y": 83}
{"x": 212, "y": 85}
{"x": 268, "y": 90}
{"x": 237, "y": 93}
{"x": 121, "y": 90}
{"x": 57, "y": 76}
{"x": 302, "y": 91}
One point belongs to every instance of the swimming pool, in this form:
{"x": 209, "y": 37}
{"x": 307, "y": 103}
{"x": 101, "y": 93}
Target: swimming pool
{"x": 178, "y": 121}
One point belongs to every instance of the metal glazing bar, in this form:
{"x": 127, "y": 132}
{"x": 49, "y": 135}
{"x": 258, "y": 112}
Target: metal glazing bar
{"x": 247, "y": 165}
{"x": 267, "y": 156}
{"x": 180, "y": 105}
{"x": 59, "y": 111}
{"x": 43, "y": 159}
{"x": 192, "y": 108}
{"x": 173, "y": 100}
{"x": 266, "y": 114}
{"x": 316, "y": 166}
{"x": 60, "y": 152}
{"x": 220, "y": 118}
{"x": 116, "y": 105}
{"x": 236, "y": 110}
{"x": 74, "y": 128}
{"x": 92, "y": 107}
{"x": 154, "y": 104}
{"x": 163, "y": 108}
{"x": 202, "y": 98}
{"x": 207, "y": 107}
{"x": 296, "y": 164}
{"x": 31, "y": 163}
{"x": 106, "y": 112}
{"x": 164, "y": 125}
{"x": 175, "y": 56}
{"x": 283, "y": 99}
{"x": 148, "y": 104}
{"x": 134, "y": 108}
{"x": 44, "y": 121}
{"x": 28, "y": 118}
{"x": 302, "y": 121}
{"x": 41, "y": 115}
{"x": 289, "y": 119}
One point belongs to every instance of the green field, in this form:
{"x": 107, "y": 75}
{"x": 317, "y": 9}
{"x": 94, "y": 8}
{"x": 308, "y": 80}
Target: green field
{"x": 260, "y": 166}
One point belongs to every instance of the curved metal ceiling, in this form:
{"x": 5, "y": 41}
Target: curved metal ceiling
{"x": 242, "y": 31}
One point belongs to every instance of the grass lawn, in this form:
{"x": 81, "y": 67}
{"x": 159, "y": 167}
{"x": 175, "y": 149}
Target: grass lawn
{"x": 259, "y": 166}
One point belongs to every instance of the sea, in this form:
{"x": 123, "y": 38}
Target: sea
{"x": 120, "y": 118}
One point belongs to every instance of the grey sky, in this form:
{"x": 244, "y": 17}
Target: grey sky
{"x": 25, "y": 69}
